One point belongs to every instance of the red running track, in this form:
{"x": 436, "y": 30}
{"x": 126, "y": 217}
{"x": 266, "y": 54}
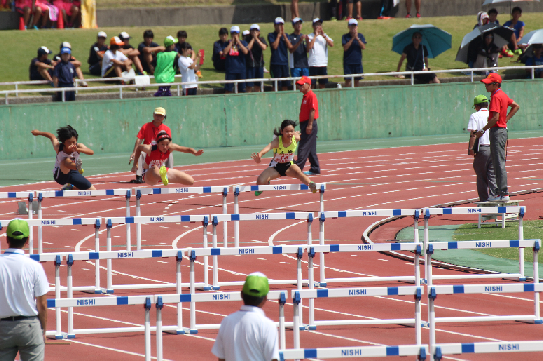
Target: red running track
{"x": 407, "y": 177}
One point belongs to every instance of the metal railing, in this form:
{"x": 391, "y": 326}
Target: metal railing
{"x": 275, "y": 81}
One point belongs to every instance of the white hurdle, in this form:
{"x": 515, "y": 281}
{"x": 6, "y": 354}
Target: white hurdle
{"x": 428, "y": 212}
{"x": 181, "y": 190}
{"x": 354, "y": 352}
{"x": 28, "y": 195}
{"x": 323, "y": 281}
{"x": 280, "y": 187}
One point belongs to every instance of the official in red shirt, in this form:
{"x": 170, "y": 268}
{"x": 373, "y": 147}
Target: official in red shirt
{"x": 497, "y": 123}
{"x": 147, "y": 135}
{"x": 309, "y": 112}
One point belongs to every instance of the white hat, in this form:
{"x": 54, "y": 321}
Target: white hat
{"x": 353, "y": 22}
{"x": 279, "y": 20}
{"x": 124, "y": 35}
{"x": 234, "y": 29}
{"x": 317, "y": 20}
{"x": 295, "y": 20}
{"x": 255, "y": 26}
{"x": 102, "y": 34}
{"x": 245, "y": 32}
{"x": 65, "y": 44}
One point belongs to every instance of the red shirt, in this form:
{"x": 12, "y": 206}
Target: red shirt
{"x": 149, "y": 132}
{"x": 499, "y": 102}
{"x": 309, "y": 102}
{"x": 157, "y": 157}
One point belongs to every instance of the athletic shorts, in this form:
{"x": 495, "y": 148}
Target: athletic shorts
{"x": 62, "y": 5}
{"x": 318, "y": 70}
{"x": 229, "y": 87}
{"x": 95, "y": 69}
{"x": 110, "y": 72}
{"x": 280, "y": 71}
{"x": 282, "y": 168}
{"x": 74, "y": 178}
{"x": 299, "y": 72}
{"x": 255, "y": 73}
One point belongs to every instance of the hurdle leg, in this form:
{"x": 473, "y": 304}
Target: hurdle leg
{"x": 236, "y": 223}
{"x": 417, "y": 241}
{"x": 30, "y": 228}
{"x": 432, "y": 321}
{"x": 225, "y": 224}
{"x": 109, "y": 261}
{"x": 159, "y": 306}
{"x": 147, "y": 329}
{"x": 418, "y": 317}
{"x": 70, "y": 294}
{"x": 296, "y": 319}
{"x": 520, "y": 249}
{"x": 537, "y": 309}
{"x": 138, "y": 225}
{"x": 193, "y": 330}
{"x": 299, "y": 280}
{"x": 97, "y": 288}
{"x": 425, "y": 240}
{"x": 311, "y": 281}
{"x": 58, "y": 313}
{"x": 40, "y": 228}
{"x": 179, "y": 290}
{"x": 322, "y": 282}
{"x": 282, "y": 329}
{"x": 215, "y": 258}
{"x": 429, "y": 281}
{"x": 127, "y": 225}
{"x": 206, "y": 258}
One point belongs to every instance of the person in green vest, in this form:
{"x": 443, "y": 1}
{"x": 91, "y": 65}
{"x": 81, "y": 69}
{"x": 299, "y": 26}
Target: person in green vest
{"x": 166, "y": 66}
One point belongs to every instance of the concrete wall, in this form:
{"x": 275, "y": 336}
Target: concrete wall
{"x": 236, "y": 120}
{"x": 248, "y": 14}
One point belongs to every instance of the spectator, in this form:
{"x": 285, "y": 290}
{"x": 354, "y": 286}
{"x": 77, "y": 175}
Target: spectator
{"x": 353, "y": 43}
{"x": 280, "y": 45}
{"x": 497, "y": 123}
{"x": 40, "y": 11}
{"x": 386, "y": 10}
{"x": 41, "y": 67}
{"x": 63, "y": 74}
{"x": 23, "y": 295}
{"x": 115, "y": 62}
{"x": 248, "y": 334}
{"x": 518, "y": 28}
{"x": 148, "y": 50}
{"x": 131, "y": 53}
{"x": 96, "y": 54}
{"x": 24, "y": 7}
{"x": 218, "y": 58}
{"x": 318, "y": 43}
{"x": 493, "y": 17}
{"x": 166, "y": 66}
{"x": 482, "y": 19}
{"x": 482, "y": 163}
{"x": 535, "y": 60}
{"x": 236, "y": 67}
{"x": 76, "y": 63}
{"x": 417, "y": 60}
{"x": 484, "y": 53}
{"x": 350, "y": 9}
{"x": 181, "y": 38}
{"x": 188, "y": 68}
{"x": 298, "y": 51}
{"x": 67, "y": 8}
{"x": 408, "y": 8}
{"x": 255, "y": 58}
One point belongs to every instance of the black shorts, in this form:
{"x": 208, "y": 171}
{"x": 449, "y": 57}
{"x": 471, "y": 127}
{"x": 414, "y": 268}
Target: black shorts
{"x": 318, "y": 70}
{"x": 74, "y": 178}
{"x": 425, "y": 77}
{"x": 110, "y": 72}
{"x": 282, "y": 168}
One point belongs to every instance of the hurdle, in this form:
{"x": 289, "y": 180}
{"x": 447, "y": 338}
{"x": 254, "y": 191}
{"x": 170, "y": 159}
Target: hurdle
{"x": 109, "y": 222}
{"x": 280, "y": 187}
{"x": 29, "y": 195}
{"x": 349, "y": 352}
{"x": 486, "y": 347}
{"x": 428, "y": 212}
{"x": 323, "y": 281}
{"x": 181, "y": 190}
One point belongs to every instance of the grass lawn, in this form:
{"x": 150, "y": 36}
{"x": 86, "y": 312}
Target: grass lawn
{"x": 532, "y": 230}
{"x": 378, "y": 57}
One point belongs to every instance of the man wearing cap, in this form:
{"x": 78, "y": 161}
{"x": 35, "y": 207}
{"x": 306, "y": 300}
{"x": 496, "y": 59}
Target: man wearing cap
{"x": 130, "y": 52}
{"x": 115, "y": 62}
{"x": 497, "y": 123}
{"x": 482, "y": 163}
{"x": 63, "y": 75}
{"x": 309, "y": 112}
{"x": 42, "y": 67}
{"x": 96, "y": 54}
{"x": 279, "y": 44}
{"x": 318, "y": 43}
{"x": 298, "y": 52}
{"x": 76, "y": 63}
{"x": 23, "y": 299}
{"x": 255, "y": 58}
{"x": 353, "y": 43}
{"x": 236, "y": 67}
{"x": 147, "y": 135}
{"x": 248, "y": 335}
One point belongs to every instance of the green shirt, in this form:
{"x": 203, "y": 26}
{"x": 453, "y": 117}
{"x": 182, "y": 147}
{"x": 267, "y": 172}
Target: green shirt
{"x": 164, "y": 70}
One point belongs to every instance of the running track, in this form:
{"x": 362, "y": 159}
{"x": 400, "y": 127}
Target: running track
{"x": 406, "y": 177}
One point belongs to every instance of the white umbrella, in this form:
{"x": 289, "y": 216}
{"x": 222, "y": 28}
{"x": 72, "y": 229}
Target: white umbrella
{"x": 489, "y": 2}
{"x": 533, "y": 37}
{"x": 501, "y": 36}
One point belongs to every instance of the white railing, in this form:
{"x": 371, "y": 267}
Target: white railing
{"x": 411, "y": 74}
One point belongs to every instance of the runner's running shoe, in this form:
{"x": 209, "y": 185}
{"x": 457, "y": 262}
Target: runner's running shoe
{"x": 164, "y": 175}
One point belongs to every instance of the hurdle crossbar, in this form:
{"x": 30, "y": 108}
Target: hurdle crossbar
{"x": 486, "y": 347}
{"x": 357, "y": 351}
{"x": 28, "y": 195}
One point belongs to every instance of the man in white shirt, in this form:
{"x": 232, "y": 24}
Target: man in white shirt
{"x": 482, "y": 162}
{"x": 318, "y": 43}
{"x": 248, "y": 335}
{"x": 114, "y": 61}
{"x": 23, "y": 300}
{"x": 188, "y": 68}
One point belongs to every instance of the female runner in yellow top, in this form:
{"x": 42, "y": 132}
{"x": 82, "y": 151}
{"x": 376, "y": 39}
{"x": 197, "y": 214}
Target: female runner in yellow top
{"x": 284, "y": 147}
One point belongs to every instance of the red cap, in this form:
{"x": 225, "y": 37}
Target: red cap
{"x": 492, "y": 78}
{"x": 303, "y": 80}
{"x": 163, "y": 135}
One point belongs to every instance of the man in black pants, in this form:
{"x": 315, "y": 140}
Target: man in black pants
{"x": 309, "y": 112}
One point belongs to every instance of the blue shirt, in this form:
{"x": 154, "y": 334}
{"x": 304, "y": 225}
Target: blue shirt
{"x": 279, "y": 56}
{"x": 533, "y": 61}
{"x": 218, "y": 62}
{"x": 518, "y": 26}
{"x": 298, "y": 56}
{"x": 353, "y": 55}
{"x": 236, "y": 63}
{"x": 64, "y": 72}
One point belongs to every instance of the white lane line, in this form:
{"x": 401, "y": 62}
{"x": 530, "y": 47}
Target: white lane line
{"x": 111, "y": 349}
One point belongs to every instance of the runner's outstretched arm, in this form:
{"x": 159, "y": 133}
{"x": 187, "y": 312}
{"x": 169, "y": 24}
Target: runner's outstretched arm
{"x": 47, "y": 135}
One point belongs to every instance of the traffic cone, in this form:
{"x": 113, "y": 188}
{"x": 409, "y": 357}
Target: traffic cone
{"x": 22, "y": 23}
{"x": 60, "y": 21}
